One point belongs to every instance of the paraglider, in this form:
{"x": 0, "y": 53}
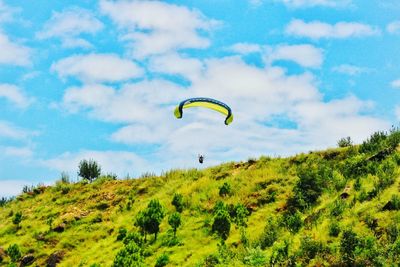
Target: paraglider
{"x": 206, "y": 103}
{"x": 201, "y": 159}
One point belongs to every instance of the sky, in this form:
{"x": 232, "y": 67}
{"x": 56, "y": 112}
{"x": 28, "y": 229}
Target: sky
{"x": 99, "y": 79}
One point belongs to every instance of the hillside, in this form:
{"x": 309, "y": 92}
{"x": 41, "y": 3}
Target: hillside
{"x": 325, "y": 208}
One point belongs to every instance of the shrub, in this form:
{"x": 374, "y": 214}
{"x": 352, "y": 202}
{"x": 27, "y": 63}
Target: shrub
{"x": 17, "y": 219}
{"x": 345, "y": 142}
{"x": 368, "y": 254}
{"x": 4, "y": 201}
{"x": 225, "y": 189}
{"x": 313, "y": 177}
{"x": 130, "y": 255}
{"x": 238, "y": 214}
{"x": 121, "y": 234}
{"x": 162, "y": 260}
{"x": 392, "y": 232}
{"x": 270, "y": 234}
{"x": 177, "y": 201}
{"x": 334, "y": 229}
{"x": 211, "y": 261}
{"x": 133, "y": 237}
{"x": 65, "y": 178}
{"x": 14, "y": 252}
{"x": 89, "y": 170}
{"x": 310, "y": 248}
{"x": 395, "y": 202}
{"x": 292, "y": 221}
{"x": 338, "y": 207}
{"x": 222, "y": 222}
{"x": 348, "y": 244}
{"x": 280, "y": 253}
{"x": 375, "y": 143}
{"x": 255, "y": 257}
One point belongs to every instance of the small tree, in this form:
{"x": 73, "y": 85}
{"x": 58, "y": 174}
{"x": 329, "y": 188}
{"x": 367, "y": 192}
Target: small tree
{"x": 162, "y": 260}
{"x": 14, "y": 252}
{"x": 89, "y": 170}
{"x": 225, "y": 189}
{"x": 348, "y": 245}
{"x": 17, "y": 219}
{"x": 130, "y": 255}
{"x": 222, "y": 221}
{"x": 177, "y": 201}
{"x": 149, "y": 220}
{"x": 345, "y": 142}
{"x": 175, "y": 221}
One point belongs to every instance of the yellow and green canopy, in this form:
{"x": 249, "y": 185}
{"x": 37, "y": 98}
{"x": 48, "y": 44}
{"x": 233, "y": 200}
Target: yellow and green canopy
{"x": 206, "y": 103}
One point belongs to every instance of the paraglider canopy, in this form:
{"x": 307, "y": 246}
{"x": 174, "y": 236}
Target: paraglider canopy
{"x": 206, "y": 103}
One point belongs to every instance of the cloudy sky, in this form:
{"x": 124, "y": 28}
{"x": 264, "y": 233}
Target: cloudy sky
{"x": 99, "y": 79}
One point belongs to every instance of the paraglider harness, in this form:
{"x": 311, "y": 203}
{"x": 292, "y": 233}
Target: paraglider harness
{"x": 201, "y": 159}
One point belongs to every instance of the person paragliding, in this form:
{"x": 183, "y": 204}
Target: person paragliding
{"x": 201, "y": 159}
{"x": 204, "y": 102}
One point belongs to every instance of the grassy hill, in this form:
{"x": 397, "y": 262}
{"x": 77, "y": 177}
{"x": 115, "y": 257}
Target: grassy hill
{"x": 339, "y": 207}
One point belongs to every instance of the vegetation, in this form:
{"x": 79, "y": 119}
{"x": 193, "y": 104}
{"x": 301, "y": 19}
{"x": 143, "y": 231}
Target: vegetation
{"x": 338, "y": 207}
{"x": 88, "y": 169}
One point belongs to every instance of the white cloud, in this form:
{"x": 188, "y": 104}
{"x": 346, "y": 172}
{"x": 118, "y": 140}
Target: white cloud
{"x": 351, "y": 70}
{"x": 8, "y": 130}
{"x": 6, "y": 12}
{"x": 14, "y": 94}
{"x": 396, "y": 84}
{"x": 13, "y": 53}
{"x": 118, "y": 162}
{"x": 245, "y": 48}
{"x": 314, "y": 3}
{"x": 19, "y": 152}
{"x": 155, "y": 27}
{"x": 175, "y": 64}
{"x": 97, "y": 68}
{"x": 69, "y": 24}
{"x": 393, "y": 27}
{"x": 145, "y": 102}
{"x": 305, "y": 55}
{"x": 340, "y": 30}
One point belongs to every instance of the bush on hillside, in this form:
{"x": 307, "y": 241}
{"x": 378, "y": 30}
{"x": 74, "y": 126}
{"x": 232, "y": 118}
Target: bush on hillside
{"x": 225, "y": 189}
{"x": 292, "y": 221}
{"x": 17, "y": 219}
{"x": 162, "y": 261}
{"x": 89, "y": 170}
{"x": 177, "y": 201}
{"x": 310, "y": 248}
{"x": 255, "y": 257}
{"x": 270, "y": 233}
{"x": 392, "y": 232}
{"x": 130, "y": 255}
{"x": 345, "y": 142}
{"x": 375, "y": 143}
{"x": 348, "y": 245}
{"x": 14, "y": 252}
{"x": 222, "y": 222}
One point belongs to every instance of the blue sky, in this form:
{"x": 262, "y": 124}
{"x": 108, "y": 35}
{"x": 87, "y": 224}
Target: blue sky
{"x": 100, "y": 79}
